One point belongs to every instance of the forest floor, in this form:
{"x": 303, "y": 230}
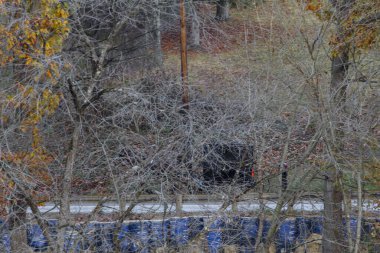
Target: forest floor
{"x": 253, "y": 44}
{"x": 264, "y": 45}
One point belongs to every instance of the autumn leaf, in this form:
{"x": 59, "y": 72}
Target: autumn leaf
{"x": 41, "y": 33}
{"x": 313, "y": 5}
{"x": 31, "y": 42}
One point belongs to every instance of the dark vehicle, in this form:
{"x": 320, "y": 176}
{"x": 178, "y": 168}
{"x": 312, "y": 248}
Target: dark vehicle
{"x": 230, "y": 163}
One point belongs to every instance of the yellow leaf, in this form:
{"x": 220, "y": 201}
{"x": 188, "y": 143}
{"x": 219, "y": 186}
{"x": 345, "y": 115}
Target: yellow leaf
{"x": 29, "y": 60}
{"x": 45, "y": 94}
{"x": 11, "y": 184}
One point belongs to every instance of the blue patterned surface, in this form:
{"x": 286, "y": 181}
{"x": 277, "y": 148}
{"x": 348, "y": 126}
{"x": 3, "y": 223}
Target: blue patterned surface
{"x": 143, "y": 236}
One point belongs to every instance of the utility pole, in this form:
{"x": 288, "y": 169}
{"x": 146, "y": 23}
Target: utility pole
{"x": 185, "y": 85}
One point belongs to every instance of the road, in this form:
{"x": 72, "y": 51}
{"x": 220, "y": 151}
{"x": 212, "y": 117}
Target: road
{"x": 307, "y": 205}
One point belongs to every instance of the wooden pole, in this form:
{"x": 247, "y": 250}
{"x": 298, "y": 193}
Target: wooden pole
{"x": 185, "y": 85}
{"x": 178, "y": 204}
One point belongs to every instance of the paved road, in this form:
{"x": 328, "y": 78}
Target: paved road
{"x": 198, "y": 206}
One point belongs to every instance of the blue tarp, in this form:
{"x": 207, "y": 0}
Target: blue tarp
{"x": 5, "y": 243}
{"x": 179, "y": 231}
{"x": 142, "y": 236}
{"x": 134, "y": 237}
{"x": 303, "y": 228}
{"x": 214, "y": 236}
{"x": 286, "y": 236}
{"x": 159, "y": 233}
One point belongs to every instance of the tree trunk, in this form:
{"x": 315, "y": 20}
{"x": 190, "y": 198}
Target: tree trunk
{"x": 333, "y": 232}
{"x": 333, "y": 223}
{"x": 157, "y": 34}
{"x": 222, "y": 10}
{"x": 339, "y": 70}
{"x": 360, "y": 211}
{"x": 44, "y": 225}
{"x": 195, "y": 39}
{"x": 347, "y": 214}
{"x": 17, "y": 225}
{"x": 262, "y": 207}
{"x": 65, "y": 215}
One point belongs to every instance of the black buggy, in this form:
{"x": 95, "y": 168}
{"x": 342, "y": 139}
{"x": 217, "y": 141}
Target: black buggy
{"x": 228, "y": 163}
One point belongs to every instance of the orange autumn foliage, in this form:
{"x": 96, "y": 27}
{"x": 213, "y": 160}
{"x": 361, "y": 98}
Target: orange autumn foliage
{"x": 34, "y": 39}
{"x": 31, "y": 36}
{"x": 354, "y": 32}
{"x": 313, "y": 5}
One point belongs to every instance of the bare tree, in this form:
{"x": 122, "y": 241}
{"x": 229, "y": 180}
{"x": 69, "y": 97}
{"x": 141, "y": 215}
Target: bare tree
{"x": 120, "y": 131}
{"x": 222, "y": 10}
